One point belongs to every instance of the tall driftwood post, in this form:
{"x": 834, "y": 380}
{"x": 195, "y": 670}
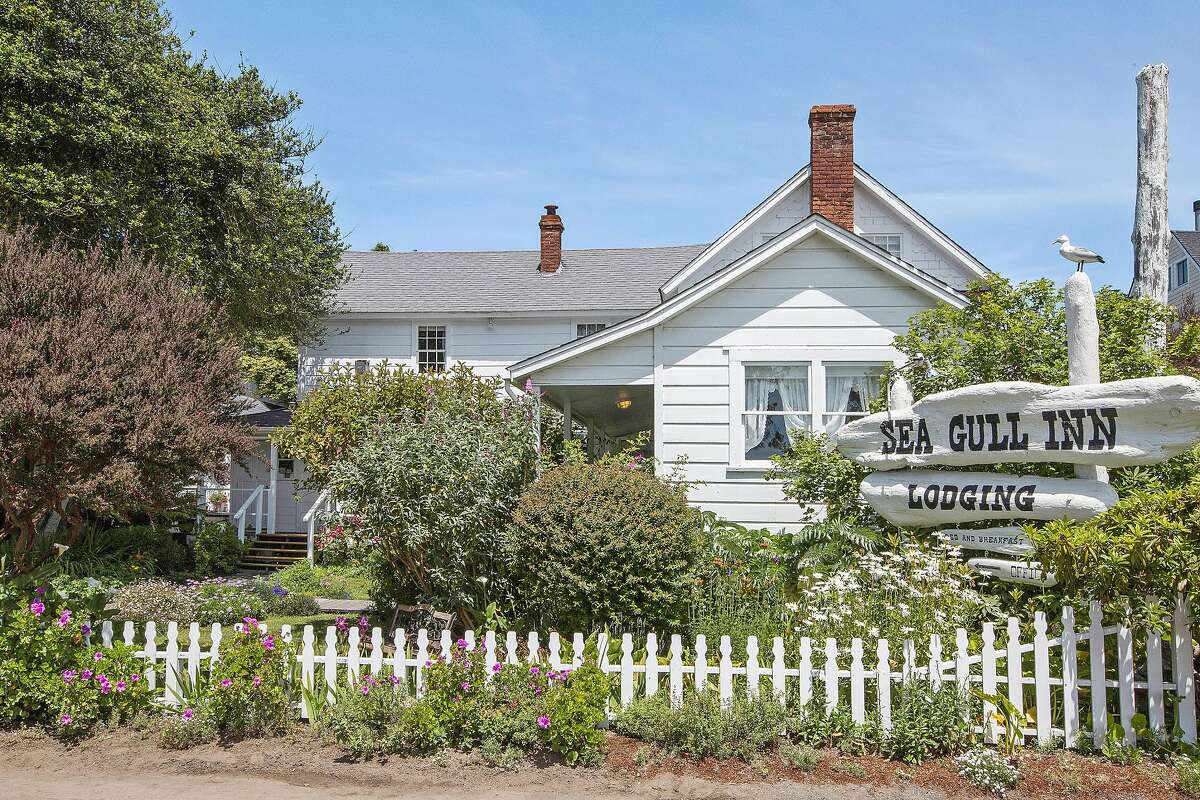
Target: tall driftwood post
{"x": 1151, "y": 233}
{"x": 1083, "y": 348}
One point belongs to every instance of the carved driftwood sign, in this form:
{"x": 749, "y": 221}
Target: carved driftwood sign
{"x": 924, "y": 498}
{"x": 1141, "y": 421}
{"x": 1030, "y": 572}
{"x": 1011, "y": 540}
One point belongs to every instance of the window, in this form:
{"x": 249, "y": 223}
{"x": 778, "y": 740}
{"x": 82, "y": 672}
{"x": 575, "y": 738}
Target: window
{"x": 888, "y": 241}
{"x": 776, "y": 406}
{"x": 850, "y": 389}
{"x": 360, "y": 366}
{"x": 431, "y": 348}
{"x": 1179, "y": 275}
{"x": 588, "y": 328}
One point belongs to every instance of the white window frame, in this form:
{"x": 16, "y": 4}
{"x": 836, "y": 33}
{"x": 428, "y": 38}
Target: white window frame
{"x": 1176, "y": 272}
{"x": 598, "y": 325}
{"x": 870, "y": 237}
{"x": 416, "y": 344}
{"x": 815, "y": 358}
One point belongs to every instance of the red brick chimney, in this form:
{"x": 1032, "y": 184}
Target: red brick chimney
{"x": 832, "y": 148}
{"x": 551, "y": 226}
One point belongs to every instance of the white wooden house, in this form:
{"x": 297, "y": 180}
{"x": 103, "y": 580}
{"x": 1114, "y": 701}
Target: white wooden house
{"x": 1183, "y": 282}
{"x": 721, "y": 350}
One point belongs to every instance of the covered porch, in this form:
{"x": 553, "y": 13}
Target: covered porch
{"x": 609, "y": 413}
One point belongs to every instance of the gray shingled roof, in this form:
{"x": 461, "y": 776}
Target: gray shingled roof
{"x": 508, "y": 280}
{"x": 1190, "y": 241}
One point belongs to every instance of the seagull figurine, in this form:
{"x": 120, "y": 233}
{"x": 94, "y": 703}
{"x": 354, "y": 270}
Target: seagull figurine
{"x": 1079, "y": 255}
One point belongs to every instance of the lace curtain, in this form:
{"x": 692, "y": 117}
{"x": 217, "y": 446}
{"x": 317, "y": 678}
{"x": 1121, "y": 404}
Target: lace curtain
{"x": 849, "y": 393}
{"x": 777, "y": 388}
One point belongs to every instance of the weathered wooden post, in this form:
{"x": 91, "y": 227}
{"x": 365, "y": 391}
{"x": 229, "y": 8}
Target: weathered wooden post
{"x": 1083, "y": 349}
{"x": 1151, "y": 233}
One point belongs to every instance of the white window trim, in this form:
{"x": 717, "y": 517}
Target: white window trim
{"x": 815, "y": 357}
{"x": 575, "y": 323}
{"x": 903, "y": 254}
{"x": 416, "y": 353}
{"x": 1175, "y": 274}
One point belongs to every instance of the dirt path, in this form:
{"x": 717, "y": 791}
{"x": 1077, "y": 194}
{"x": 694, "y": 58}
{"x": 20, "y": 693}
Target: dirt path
{"x": 123, "y": 766}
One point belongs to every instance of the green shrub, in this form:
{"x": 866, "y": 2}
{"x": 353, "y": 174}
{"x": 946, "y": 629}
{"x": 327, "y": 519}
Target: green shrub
{"x": 379, "y": 717}
{"x": 1189, "y": 777}
{"x": 35, "y": 651}
{"x": 927, "y": 723}
{"x": 282, "y": 602}
{"x": 125, "y": 554}
{"x": 248, "y": 694}
{"x": 810, "y": 724}
{"x": 987, "y": 769}
{"x": 104, "y": 685}
{"x": 802, "y": 757}
{"x": 701, "y": 728}
{"x": 217, "y": 601}
{"x": 342, "y": 582}
{"x": 603, "y": 544}
{"x": 216, "y": 549}
{"x": 185, "y": 728}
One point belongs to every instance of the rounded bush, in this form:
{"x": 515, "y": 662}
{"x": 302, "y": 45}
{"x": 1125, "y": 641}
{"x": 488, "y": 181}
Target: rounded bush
{"x": 603, "y": 544}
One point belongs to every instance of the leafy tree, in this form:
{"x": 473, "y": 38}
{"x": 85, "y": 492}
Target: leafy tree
{"x": 271, "y": 364}
{"x": 381, "y": 247}
{"x": 113, "y": 132}
{"x": 116, "y": 387}
{"x": 346, "y": 408}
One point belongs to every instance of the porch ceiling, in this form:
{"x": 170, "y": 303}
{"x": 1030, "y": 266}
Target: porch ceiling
{"x": 598, "y": 404}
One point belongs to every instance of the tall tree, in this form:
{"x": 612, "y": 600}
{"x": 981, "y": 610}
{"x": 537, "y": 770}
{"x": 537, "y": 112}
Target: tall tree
{"x": 117, "y": 387}
{"x": 1151, "y": 232}
{"x": 111, "y": 131}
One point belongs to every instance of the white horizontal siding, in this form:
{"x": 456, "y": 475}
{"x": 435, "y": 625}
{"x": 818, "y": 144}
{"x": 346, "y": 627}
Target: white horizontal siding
{"x": 810, "y": 297}
{"x": 630, "y": 362}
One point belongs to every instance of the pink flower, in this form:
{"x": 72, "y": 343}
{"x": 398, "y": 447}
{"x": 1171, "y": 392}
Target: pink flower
{"x": 363, "y": 623}
{"x": 87, "y": 675}
{"x": 105, "y": 687}
{"x": 68, "y": 675}
{"x": 41, "y": 590}
{"x": 188, "y": 714}
{"x": 461, "y": 644}
{"x": 366, "y": 690}
{"x": 497, "y": 667}
{"x": 120, "y": 686}
{"x": 64, "y": 619}
{"x": 428, "y": 663}
{"x": 534, "y": 671}
{"x": 134, "y": 678}
{"x": 466, "y": 687}
{"x": 37, "y": 607}
{"x": 341, "y": 624}
{"x": 395, "y": 679}
{"x": 268, "y": 642}
{"x": 251, "y": 623}
{"x": 543, "y": 722}
{"x": 85, "y": 629}
{"x": 65, "y": 719}
{"x": 226, "y": 683}
{"x": 97, "y": 656}
{"x": 257, "y": 681}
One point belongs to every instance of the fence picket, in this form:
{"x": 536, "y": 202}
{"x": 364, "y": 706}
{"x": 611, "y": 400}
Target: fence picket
{"x": 676, "y": 671}
{"x": 489, "y": 653}
{"x": 1183, "y": 671}
{"x": 626, "y": 669}
{"x": 700, "y": 673}
{"x": 215, "y": 635}
{"x": 331, "y": 662}
{"x": 1125, "y": 682}
{"x": 308, "y": 675}
{"x": 651, "y": 664}
{"x": 778, "y": 674}
{"x": 469, "y": 638}
{"x": 910, "y": 660}
{"x": 988, "y": 661}
{"x": 1014, "y": 667}
{"x": 1070, "y": 678}
{"x": 576, "y": 650}
{"x": 1096, "y": 677}
{"x": 171, "y": 675}
{"x": 936, "y": 676}
{"x": 962, "y": 662}
{"x": 806, "y": 670}
{"x": 193, "y": 653}
{"x": 1041, "y": 677}
{"x": 400, "y": 655}
{"x": 353, "y": 656}
{"x": 883, "y": 683}
{"x": 510, "y": 647}
{"x": 376, "y": 651}
{"x": 831, "y": 675}
{"x": 106, "y": 633}
{"x": 858, "y": 693}
{"x": 534, "y": 647}
{"x": 151, "y": 655}
{"x": 753, "y": 676}
{"x": 602, "y": 653}
{"x": 555, "y": 648}
{"x": 725, "y": 676}
{"x": 1155, "y": 713}
{"x": 127, "y": 633}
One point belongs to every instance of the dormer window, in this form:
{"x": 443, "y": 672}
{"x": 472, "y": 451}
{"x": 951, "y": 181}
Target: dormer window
{"x": 1179, "y": 275}
{"x": 583, "y": 329}
{"x": 888, "y": 241}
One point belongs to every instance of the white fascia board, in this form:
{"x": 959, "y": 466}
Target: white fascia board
{"x": 755, "y": 214}
{"x": 812, "y": 225}
{"x": 349, "y": 316}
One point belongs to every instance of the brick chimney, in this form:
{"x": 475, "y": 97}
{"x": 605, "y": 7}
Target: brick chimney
{"x": 832, "y": 148}
{"x": 551, "y": 226}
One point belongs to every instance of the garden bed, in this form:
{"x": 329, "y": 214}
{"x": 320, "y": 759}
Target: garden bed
{"x": 300, "y": 766}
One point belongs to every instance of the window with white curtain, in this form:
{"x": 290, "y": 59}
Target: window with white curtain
{"x": 777, "y": 406}
{"x": 850, "y": 388}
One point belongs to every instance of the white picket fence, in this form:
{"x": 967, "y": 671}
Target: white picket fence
{"x": 829, "y": 672}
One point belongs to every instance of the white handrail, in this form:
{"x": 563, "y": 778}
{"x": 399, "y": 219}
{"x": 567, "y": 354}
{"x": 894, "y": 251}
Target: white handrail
{"x": 239, "y": 516}
{"x": 310, "y": 517}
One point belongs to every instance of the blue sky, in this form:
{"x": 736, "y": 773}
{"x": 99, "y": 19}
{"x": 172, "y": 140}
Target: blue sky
{"x": 447, "y": 126}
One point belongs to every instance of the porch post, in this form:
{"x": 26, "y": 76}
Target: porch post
{"x": 566, "y": 410}
{"x": 272, "y": 500}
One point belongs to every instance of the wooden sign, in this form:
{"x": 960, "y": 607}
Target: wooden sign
{"x": 1116, "y": 424}
{"x": 1030, "y": 572}
{"x": 925, "y": 498}
{"x": 1011, "y": 540}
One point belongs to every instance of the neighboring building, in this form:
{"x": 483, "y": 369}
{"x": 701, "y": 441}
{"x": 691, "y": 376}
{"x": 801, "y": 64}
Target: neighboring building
{"x": 1184, "y": 267}
{"x": 721, "y": 350}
